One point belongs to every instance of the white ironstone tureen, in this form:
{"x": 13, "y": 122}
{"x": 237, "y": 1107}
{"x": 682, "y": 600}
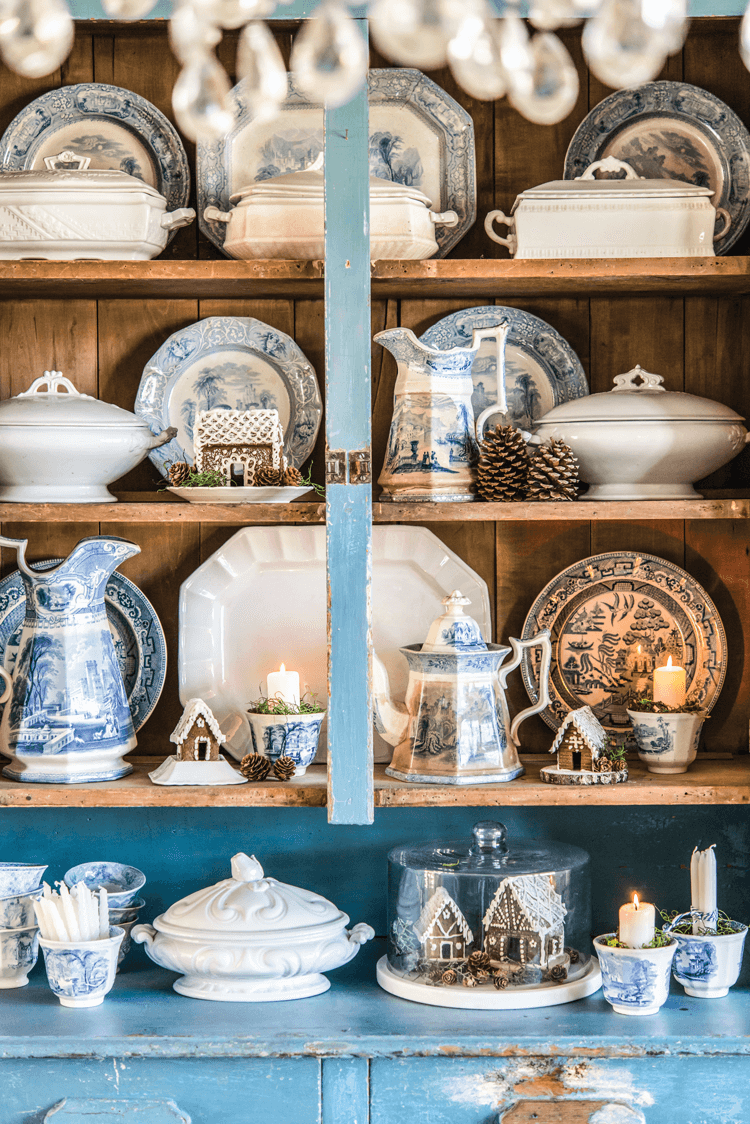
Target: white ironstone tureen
{"x": 252, "y": 939}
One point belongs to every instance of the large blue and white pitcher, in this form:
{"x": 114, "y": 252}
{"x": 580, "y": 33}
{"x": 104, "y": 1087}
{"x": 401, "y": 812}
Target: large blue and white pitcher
{"x": 67, "y": 719}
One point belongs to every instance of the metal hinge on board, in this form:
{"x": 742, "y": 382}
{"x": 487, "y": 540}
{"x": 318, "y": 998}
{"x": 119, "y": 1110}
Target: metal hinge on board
{"x": 360, "y": 466}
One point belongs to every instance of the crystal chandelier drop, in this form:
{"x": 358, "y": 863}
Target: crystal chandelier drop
{"x": 625, "y": 43}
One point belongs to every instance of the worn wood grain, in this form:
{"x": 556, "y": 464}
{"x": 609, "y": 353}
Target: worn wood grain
{"x": 558, "y": 1112}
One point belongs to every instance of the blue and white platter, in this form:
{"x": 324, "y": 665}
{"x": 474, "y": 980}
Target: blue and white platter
{"x": 541, "y": 368}
{"x": 419, "y": 136}
{"x": 235, "y": 363}
{"x": 613, "y": 618}
{"x": 115, "y": 128}
{"x": 136, "y": 630}
{"x": 672, "y": 130}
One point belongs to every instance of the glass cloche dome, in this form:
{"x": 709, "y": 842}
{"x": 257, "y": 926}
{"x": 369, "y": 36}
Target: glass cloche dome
{"x": 481, "y": 923}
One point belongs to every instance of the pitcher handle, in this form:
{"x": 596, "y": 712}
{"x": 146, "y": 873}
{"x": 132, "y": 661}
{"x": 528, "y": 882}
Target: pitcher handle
{"x": 519, "y": 647}
{"x": 19, "y": 545}
{"x": 498, "y": 333}
{"x": 8, "y": 685}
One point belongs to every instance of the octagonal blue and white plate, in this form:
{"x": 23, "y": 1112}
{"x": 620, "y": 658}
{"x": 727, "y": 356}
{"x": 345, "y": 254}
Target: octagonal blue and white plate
{"x": 232, "y": 363}
{"x": 115, "y": 128}
{"x": 136, "y": 631}
{"x": 672, "y": 130}
{"x": 419, "y": 136}
{"x": 541, "y": 368}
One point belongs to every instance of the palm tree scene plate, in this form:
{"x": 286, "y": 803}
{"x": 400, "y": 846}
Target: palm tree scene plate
{"x": 231, "y": 363}
{"x": 613, "y": 618}
{"x": 541, "y": 368}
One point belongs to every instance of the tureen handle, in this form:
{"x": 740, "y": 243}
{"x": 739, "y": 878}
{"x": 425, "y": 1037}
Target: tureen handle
{"x": 246, "y": 868}
{"x": 360, "y": 934}
{"x": 67, "y": 158}
{"x": 144, "y": 934}
{"x": 610, "y": 164}
{"x": 519, "y": 647}
{"x": 444, "y": 218}
{"x": 213, "y": 214}
{"x": 511, "y": 241}
{"x": 725, "y": 215}
{"x": 638, "y": 379}
{"x": 173, "y": 220}
{"x": 54, "y": 381}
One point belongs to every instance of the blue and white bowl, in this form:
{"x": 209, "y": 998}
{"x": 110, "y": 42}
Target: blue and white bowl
{"x": 81, "y": 973}
{"x": 635, "y": 981}
{"x": 287, "y": 735}
{"x": 122, "y": 883}
{"x": 119, "y": 915}
{"x": 707, "y": 966}
{"x": 19, "y": 949}
{"x": 19, "y": 878}
{"x": 17, "y": 911}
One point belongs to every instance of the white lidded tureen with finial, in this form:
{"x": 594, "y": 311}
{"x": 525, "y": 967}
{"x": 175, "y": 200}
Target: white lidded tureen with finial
{"x": 252, "y": 939}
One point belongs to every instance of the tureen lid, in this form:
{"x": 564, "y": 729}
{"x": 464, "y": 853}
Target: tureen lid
{"x": 62, "y": 404}
{"x": 248, "y": 903}
{"x": 630, "y": 186}
{"x": 70, "y": 171}
{"x": 489, "y": 852}
{"x": 453, "y": 630}
{"x": 640, "y": 396}
{"x": 309, "y": 184}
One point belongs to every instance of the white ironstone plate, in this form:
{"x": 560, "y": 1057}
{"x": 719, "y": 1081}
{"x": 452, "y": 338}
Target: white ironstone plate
{"x": 240, "y": 494}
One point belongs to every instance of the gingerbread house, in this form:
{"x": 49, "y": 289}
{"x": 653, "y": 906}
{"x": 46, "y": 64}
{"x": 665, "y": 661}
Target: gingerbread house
{"x": 197, "y": 734}
{"x": 581, "y": 742}
{"x": 248, "y": 440}
{"x": 442, "y": 930}
{"x": 524, "y": 921}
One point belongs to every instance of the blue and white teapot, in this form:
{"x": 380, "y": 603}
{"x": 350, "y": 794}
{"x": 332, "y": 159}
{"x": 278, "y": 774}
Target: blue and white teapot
{"x": 454, "y": 726}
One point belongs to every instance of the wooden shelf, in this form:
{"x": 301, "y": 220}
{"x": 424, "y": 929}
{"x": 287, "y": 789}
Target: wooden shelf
{"x": 711, "y": 780}
{"x": 454, "y": 277}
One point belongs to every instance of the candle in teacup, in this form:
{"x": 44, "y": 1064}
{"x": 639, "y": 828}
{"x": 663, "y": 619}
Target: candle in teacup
{"x": 637, "y": 923}
{"x": 284, "y": 685}
{"x": 703, "y": 887}
{"x": 669, "y": 685}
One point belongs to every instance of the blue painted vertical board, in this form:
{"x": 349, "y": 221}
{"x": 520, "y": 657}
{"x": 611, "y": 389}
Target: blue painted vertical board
{"x": 348, "y": 505}
{"x": 346, "y": 1091}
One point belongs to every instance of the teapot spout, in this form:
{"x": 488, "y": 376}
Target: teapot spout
{"x": 391, "y": 719}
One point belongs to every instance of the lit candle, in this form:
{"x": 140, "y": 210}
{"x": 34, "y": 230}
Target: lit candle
{"x": 284, "y": 685}
{"x": 703, "y": 887}
{"x": 669, "y": 685}
{"x": 637, "y": 923}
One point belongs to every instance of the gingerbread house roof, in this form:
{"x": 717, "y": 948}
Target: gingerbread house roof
{"x": 238, "y": 427}
{"x": 537, "y": 898}
{"x": 195, "y": 708}
{"x": 588, "y": 726}
{"x": 439, "y": 900}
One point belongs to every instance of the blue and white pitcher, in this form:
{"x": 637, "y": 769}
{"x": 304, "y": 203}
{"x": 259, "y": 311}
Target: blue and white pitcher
{"x": 67, "y": 719}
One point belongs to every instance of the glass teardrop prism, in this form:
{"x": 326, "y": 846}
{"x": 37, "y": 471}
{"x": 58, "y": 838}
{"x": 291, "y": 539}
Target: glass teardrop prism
{"x": 200, "y": 99}
{"x": 415, "y": 32}
{"x": 554, "y": 86}
{"x": 669, "y": 18}
{"x": 745, "y": 38}
{"x": 620, "y": 49}
{"x": 329, "y": 57}
{"x": 35, "y": 35}
{"x": 127, "y": 9}
{"x": 233, "y": 13}
{"x": 191, "y": 33}
{"x": 515, "y": 54}
{"x": 261, "y": 69}
{"x": 547, "y": 15}
{"x": 474, "y": 57}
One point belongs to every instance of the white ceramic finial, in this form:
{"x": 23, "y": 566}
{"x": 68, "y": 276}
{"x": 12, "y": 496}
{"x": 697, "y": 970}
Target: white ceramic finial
{"x": 246, "y": 868}
{"x": 454, "y": 601}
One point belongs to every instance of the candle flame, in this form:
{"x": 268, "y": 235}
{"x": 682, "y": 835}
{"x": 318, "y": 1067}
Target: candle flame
{"x": 639, "y": 649}
{"x": 282, "y": 668}
{"x": 669, "y": 662}
{"x": 635, "y": 901}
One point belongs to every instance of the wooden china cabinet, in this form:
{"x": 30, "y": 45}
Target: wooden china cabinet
{"x": 356, "y": 1054}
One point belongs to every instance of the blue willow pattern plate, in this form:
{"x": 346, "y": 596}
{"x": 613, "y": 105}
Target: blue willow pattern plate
{"x": 613, "y": 618}
{"x": 541, "y": 368}
{"x": 672, "y": 130}
{"x": 419, "y": 136}
{"x": 113, "y": 127}
{"x": 234, "y": 363}
{"x": 136, "y": 631}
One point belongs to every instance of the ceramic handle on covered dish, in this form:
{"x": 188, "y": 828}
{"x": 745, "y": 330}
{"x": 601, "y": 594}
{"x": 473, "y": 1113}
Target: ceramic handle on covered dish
{"x": 511, "y": 241}
{"x": 610, "y": 164}
{"x": 360, "y": 934}
{"x": 213, "y": 214}
{"x": 445, "y": 218}
{"x": 519, "y": 647}
{"x": 723, "y": 214}
{"x": 159, "y": 439}
{"x": 175, "y": 219}
{"x": 144, "y": 934}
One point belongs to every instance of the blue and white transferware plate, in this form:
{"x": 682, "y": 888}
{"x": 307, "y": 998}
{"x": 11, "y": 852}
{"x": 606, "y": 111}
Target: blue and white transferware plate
{"x": 612, "y": 619}
{"x": 419, "y": 136}
{"x": 541, "y": 368}
{"x": 136, "y": 630}
{"x": 672, "y": 130}
{"x": 235, "y": 363}
{"x": 115, "y": 128}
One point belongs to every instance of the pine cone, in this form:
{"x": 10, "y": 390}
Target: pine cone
{"x": 284, "y": 768}
{"x": 500, "y": 982}
{"x": 503, "y": 465}
{"x": 267, "y": 477}
{"x": 558, "y": 973}
{"x": 448, "y": 977}
{"x": 292, "y": 478}
{"x": 469, "y": 981}
{"x": 478, "y": 962}
{"x": 481, "y": 976}
{"x": 255, "y": 767}
{"x": 553, "y": 473}
{"x": 573, "y": 954}
{"x": 619, "y": 765}
{"x": 178, "y": 473}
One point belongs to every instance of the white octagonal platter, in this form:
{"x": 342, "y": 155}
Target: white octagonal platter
{"x": 260, "y": 600}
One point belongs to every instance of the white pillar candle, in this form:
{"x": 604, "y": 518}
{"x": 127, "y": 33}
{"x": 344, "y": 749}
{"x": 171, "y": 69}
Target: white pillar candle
{"x": 284, "y": 685}
{"x": 703, "y": 887}
{"x": 669, "y": 685}
{"x": 103, "y": 914}
{"x": 637, "y": 923}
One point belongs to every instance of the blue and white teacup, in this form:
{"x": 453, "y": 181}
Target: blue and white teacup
{"x": 707, "y": 966}
{"x": 20, "y": 878}
{"x": 17, "y": 911}
{"x": 82, "y": 972}
{"x": 119, "y": 915}
{"x": 667, "y": 743}
{"x": 635, "y": 981}
{"x": 122, "y": 883}
{"x": 287, "y": 735}
{"x": 19, "y": 949}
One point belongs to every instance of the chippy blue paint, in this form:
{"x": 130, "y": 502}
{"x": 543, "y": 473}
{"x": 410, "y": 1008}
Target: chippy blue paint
{"x": 345, "y": 1093}
{"x": 349, "y": 505}
{"x": 101, "y": 1110}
